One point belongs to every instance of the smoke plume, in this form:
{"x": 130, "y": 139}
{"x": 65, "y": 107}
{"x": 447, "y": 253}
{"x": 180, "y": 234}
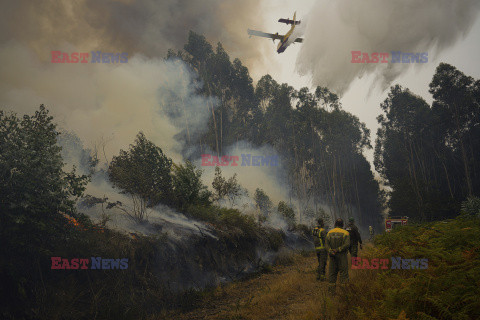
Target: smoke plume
{"x": 106, "y": 105}
{"x": 335, "y": 28}
{"x": 147, "y": 27}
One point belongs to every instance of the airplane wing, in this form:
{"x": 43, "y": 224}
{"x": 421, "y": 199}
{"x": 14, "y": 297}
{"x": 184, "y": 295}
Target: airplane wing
{"x": 298, "y": 40}
{"x": 265, "y": 35}
{"x": 288, "y": 21}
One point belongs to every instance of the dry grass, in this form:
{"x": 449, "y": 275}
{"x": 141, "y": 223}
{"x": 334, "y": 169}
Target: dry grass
{"x": 448, "y": 289}
{"x": 289, "y": 292}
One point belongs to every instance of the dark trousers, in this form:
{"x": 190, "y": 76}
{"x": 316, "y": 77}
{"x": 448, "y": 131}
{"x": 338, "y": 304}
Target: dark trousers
{"x": 353, "y": 250}
{"x": 322, "y": 262}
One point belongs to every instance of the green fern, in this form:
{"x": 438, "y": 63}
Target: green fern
{"x": 448, "y": 288}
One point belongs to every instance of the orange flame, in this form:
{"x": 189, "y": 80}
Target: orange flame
{"x": 72, "y": 221}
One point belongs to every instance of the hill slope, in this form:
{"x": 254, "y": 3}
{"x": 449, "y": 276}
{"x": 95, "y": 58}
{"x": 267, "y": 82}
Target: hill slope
{"x": 448, "y": 289}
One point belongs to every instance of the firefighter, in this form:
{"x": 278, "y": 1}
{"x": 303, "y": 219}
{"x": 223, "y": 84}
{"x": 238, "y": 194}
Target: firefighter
{"x": 355, "y": 237}
{"x": 319, "y": 235}
{"x": 337, "y": 244}
{"x": 370, "y": 229}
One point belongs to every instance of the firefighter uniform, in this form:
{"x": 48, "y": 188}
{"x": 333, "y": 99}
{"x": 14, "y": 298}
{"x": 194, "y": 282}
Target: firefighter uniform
{"x": 337, "y": 244}
{"x": 319, "y": 235}
{"x": 355, "y": 238}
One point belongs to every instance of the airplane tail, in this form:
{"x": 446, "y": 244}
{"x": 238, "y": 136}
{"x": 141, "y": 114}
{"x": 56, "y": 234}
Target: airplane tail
{"x": 293, "y": 22}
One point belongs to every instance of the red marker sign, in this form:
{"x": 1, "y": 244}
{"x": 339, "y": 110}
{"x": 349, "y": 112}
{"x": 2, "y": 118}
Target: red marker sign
{"x": 388, "y": 224}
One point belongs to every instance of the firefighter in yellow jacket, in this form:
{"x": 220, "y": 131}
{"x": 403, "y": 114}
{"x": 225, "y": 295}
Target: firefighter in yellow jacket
{"x": 319, "y": 235}
{"x": 337, "y": 244}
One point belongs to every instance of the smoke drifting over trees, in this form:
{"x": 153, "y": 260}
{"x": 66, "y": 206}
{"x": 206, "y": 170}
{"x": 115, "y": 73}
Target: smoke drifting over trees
{"x": 335, "y": 28}
{"x": 138, "y": 130}
{"x": 145, "y": 27}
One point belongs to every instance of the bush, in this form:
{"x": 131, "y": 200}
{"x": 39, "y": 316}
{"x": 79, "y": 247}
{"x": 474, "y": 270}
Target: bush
{"x": 31, "y": 167}
{"x": 202, "y": 213}
{"x": 143, "y": 172}
{"x": 471, "y": 206}
{"x": 275, "y": 238}
{"x": 304, "y": 230}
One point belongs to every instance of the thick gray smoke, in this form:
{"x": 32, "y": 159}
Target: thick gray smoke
{"x": 160, "y": 218}
{"x": 147, "y": 27}
{"x": 270, "y": 178}
{"x": 105, "y": 105}
{"x": 335, "y": 28}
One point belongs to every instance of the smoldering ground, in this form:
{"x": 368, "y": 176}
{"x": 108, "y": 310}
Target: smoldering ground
{"x": 190, "y": 254}
{"x": 106, "y": 105}
{"x": 162, "y": 88}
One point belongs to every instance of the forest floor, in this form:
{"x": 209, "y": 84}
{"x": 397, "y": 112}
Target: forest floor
{"x": 287, "y": 292}
{"x": 447, "y": 287}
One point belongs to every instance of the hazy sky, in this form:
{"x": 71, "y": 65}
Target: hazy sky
{"x": 449, "y": 30}
{"x": 364, "y": 96}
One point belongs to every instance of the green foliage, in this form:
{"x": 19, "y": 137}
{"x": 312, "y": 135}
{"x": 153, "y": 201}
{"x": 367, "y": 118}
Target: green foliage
{"x": 425, "y": 153}
{"x": 287, "y": 213}
{"x": 321, "y": 145}
{"x": 31, "y": 167}
{"x": 202, "y": 213}
{"x": 229, "y": 189}
{"x": 304, "y": 230}
{"x": 34, "y": 188}
{"x": 143, "y": 172}
{"x": 238, "y": 229}
{"x": 238, "y": 224}
{"x": 187, "y": 186}
{"x": 447, "y": 289}
{"x": 263, "y": 204}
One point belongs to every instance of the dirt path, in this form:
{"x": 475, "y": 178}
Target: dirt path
{"x": 289, "y": 292}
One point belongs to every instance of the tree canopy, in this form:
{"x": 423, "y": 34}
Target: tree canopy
{"x": 429, "y": 155}
{"x": 320, "y": 144}
{"x": 142, "y": 172}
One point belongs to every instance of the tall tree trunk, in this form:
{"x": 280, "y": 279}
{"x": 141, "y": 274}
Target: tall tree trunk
{"x": 464, "y": 154}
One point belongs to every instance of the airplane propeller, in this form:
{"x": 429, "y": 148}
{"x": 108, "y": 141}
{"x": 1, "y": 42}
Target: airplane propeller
{"x": 273, "y": 39}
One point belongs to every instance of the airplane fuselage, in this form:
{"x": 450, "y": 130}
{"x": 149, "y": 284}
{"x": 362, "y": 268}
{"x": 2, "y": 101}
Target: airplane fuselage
{"x": 282, "y": 46}
{"x": 284, "y": 43}
{"x": 283, "y": 39}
